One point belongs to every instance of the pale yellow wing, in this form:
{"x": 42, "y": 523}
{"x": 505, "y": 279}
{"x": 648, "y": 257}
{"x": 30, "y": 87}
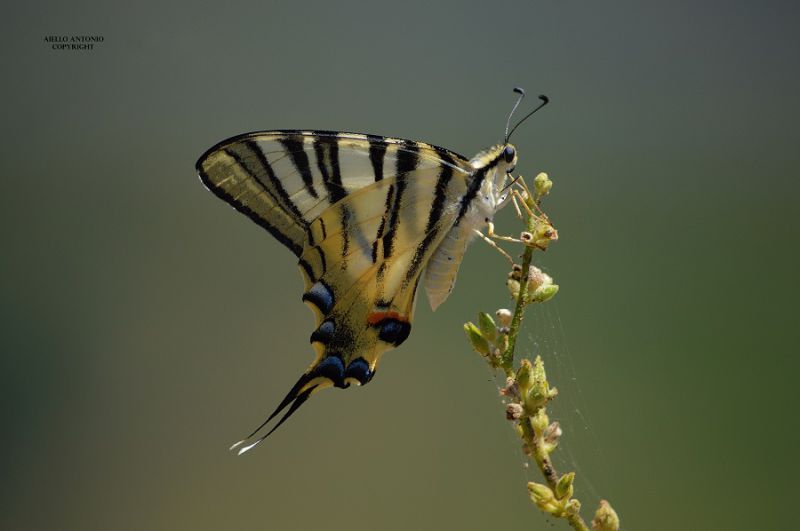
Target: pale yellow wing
{"x": 283, "y": 180}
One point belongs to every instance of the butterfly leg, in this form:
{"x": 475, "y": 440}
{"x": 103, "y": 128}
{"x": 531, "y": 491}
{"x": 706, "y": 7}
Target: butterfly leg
{"x": 510, "y": 197}
{"x": 523, "y": 201}
{"x": 524, "y": 187}
{"x": 494, "y": 245}
{"x": 543, "y": 231}
{"x": 522, "y": 195}
{"x": 516, "y": 205}
{"x": 490, "y": 233}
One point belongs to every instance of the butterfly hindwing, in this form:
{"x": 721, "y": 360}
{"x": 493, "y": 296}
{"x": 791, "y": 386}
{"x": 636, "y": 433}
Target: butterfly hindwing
{"x": 367, "y": 252}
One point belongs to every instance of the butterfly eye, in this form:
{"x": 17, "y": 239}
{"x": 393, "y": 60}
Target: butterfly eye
{"x": 508, "y": 154}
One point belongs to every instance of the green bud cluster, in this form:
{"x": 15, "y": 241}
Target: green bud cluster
{"x": 535, "y": 390}
{"x": 541, "y": 186}
{"x": 487, "y": 338}
{"x": 558, "y": 501}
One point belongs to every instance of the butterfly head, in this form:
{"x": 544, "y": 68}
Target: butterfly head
{"x": 495, "y": 165}
{"x": 509, "y": 158}
{"x": 501, "y": 158}
{"x": 507, "y": 161}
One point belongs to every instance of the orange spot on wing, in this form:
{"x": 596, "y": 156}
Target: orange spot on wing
{"x": 376, "y": 317}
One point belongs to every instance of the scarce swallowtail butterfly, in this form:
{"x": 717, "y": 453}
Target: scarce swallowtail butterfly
{"x": 367, "y": 218}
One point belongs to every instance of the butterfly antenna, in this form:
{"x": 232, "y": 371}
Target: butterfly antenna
{"x": 545, "y": 101}
{"x": 521, "y": 93}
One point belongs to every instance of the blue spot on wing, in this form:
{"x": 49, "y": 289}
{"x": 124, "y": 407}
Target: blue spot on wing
{"x": 393, "y": 331}
{"x": 359, "y": 369}
{"x": 331, "y": 368}
{"x": 321, "y": 296}
{"x": 324, "y": 333}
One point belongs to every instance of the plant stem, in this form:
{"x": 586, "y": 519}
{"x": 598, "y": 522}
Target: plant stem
{"x": 535, "y": 442}
{"x": 539, "y": 453}
{"x": 519, "y": 309}
{"x": 577, "y": 522}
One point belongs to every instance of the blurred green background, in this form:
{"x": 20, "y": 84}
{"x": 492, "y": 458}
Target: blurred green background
{"x": 146, "y": 326}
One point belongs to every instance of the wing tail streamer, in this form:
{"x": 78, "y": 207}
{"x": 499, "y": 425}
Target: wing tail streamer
{"x": 297, "y": 396}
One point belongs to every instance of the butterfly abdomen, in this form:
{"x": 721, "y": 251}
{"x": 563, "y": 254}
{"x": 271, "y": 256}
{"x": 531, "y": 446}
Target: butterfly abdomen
{"x": 477, "y": 208}
{"x": 440, "y": 275}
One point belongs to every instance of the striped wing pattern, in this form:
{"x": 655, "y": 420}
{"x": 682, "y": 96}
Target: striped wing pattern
{"x": 363, "y": 214}
{"x": 283, "y": 180}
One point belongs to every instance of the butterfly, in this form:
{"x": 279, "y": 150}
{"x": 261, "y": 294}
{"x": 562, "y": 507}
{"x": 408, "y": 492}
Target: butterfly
{"x": 367, "y": 218}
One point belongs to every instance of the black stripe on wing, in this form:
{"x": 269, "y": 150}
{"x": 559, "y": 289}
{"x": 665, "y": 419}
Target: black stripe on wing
{"x": 327, "y": 154}
{"x": 407, "y": 160}
{"x": 377, "y": 152}
{"x": 283, "y": 198}
{"x": 432, "y": 227}
{"x": 294, "y": 148}
{"x": 292, "y": 245}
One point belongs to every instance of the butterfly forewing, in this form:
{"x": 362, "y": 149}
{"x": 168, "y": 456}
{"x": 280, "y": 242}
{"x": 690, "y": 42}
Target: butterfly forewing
{"x": 283, "y": 180}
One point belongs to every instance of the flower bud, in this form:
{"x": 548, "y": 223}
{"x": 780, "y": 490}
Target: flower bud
{"x": 605, "y": 519}
{"x": 540, "y": 421}
{"x": 537, "y": 279}
{"x": 544, "y": 293}
{"x": 513, "y": 287}
{"x": 542, "y": 235}
{"x": 524, "y": 375}
{"x": 551, "y": 436}
{"x": 543, "y": 497}
{"x": 573, "y": 507}
{"x": 487, "y": 326}
{"x": 503, "y": 317}
{"x": 540, "y": 391}
{"x": 479, "y": 343}
{"x": 542, "y": 185}
{"x": 511, "y": 389}
{"x": 564, "y": 486}
{"x": 514, "y": 411}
